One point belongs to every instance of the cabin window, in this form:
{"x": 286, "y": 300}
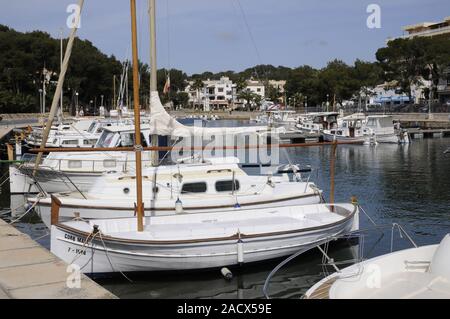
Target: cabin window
{"x": 74, "y": 164}
{"x": 105, "y": 139}
{"x": 227, "y": 186}
{"x": 194, "y": 187}
{"x": 91, "y": 127}
{"x": 127, "y": 139}
{"x": 89, "y": 142}
{"x": 371, "y": 123}
{"x": 109, "y": 163}
{"x": 70, "y": 142}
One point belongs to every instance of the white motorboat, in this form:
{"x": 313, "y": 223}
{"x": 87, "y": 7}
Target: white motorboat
{"x": 351, "y": 129}
{"x": 78, "y": 170}
{"x": 415, "y": 273}
{"x": 382, "y": 126}
{"x": 316, "y": 122}
{"x": 370, "y": 129}
{"x": 212, "y": 185}
{"x": 80, "y": 133}
{"x": 198, "y": 241}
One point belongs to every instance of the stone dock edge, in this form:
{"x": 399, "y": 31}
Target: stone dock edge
{"x": 30, "y": 271}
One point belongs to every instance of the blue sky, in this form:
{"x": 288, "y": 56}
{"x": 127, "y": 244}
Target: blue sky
{"x": 211, "y": 35}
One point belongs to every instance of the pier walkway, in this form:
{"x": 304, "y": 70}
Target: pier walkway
{"x": 28, "y": 270}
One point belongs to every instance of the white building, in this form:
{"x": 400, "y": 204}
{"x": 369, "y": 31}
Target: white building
{"x": 279, "y": 85}
{"x": 390, "y": 94}
{"x": 425, "y": 29}
{"x": 215, "y": 94}
{"x": 222, "y": 93}
{"x": 256, "y": 87}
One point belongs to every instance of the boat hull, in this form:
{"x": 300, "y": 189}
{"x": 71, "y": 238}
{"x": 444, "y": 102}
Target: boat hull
{"x": 21, "y": 183}
{"x": 331, "y": 137}
{"x": 107, "y": 255}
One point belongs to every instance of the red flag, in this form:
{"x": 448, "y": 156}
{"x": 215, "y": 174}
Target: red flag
{"x": 167, "y": 85}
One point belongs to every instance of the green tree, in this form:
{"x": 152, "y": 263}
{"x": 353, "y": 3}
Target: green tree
{"x": 339, "y": 81}
{"x": 404, "y": 62}
{"x": 273, "y": 93}
{"x": 248, "y": 97}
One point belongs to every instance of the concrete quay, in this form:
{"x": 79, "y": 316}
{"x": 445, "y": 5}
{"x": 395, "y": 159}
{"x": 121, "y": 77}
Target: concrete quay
{"x": 29, "y": 271}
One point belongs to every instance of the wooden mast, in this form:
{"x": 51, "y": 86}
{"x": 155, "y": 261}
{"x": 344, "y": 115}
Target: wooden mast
{"x": 137, "y": 120}
{"x": 332, "y": 170}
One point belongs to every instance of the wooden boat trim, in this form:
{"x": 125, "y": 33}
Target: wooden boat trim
{"x": 185, "y": 208}
{"x": 214, "y": 239}
{"x": 323, "y": 291}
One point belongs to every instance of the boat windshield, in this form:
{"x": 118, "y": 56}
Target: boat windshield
{"x": 91, "y": 127}
{"x": 105, "y": 139}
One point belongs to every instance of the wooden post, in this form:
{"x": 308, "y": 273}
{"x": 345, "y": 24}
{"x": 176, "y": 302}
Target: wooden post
{"x": 10, "y": 152}
{"x": 137, "y": 119}
{"x": 332, "y": 166}
{"x": 56, "y": 205}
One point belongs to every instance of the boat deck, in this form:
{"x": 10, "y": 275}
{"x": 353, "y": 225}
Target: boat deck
{"x": 323, "y": 291}
{"x": 198, "y": 226}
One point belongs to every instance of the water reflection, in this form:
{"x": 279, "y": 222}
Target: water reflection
{"x": 290, "y": 282}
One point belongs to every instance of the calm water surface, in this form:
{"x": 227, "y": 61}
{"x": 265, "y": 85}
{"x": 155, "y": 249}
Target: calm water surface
{"x": 408, "y": 184}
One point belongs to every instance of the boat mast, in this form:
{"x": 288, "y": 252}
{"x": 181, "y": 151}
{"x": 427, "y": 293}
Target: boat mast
{"x": 137, "y": 120}
{"x": 57, "y": 96}
{"x": 60, "y": 111}
{"x": 153, "y": 71}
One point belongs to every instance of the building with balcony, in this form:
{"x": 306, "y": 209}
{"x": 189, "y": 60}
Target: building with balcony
{"x": 215, "y": 94}
{"x": 425, "y": 29}
{"x": 222, "y": 93}
{"x": 256, "y": 87}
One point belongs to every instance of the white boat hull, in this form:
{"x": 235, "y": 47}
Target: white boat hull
{"x": 21, "y": 183}
{"x": 105, "y": 256}
{"x": 331, "y": 138}
{"x": 387, "y": 138}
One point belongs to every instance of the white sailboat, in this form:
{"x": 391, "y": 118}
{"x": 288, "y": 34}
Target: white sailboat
{"x": 198, "y": 241}
{"x": 415, "y": 273}
{"x": 212, "y": 185}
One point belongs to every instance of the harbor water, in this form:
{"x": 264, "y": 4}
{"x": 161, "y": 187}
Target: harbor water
{"x": 406, "y": 184}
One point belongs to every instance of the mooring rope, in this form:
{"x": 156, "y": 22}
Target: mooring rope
{"x": 39, "y": 197}
{"x": 109, "y": 260}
